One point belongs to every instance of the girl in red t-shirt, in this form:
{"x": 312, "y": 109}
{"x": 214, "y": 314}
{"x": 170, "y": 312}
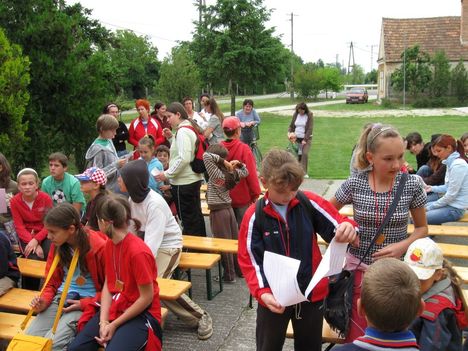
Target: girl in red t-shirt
{"x": 130, "y": 312}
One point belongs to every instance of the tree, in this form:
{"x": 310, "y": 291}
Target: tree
{"x": 416, "y": 71}
{"x": 357, "y": 75}
{"x": 70, "y": 75}
{"x": 233, "y": 46}
{"x": 307, "y": 82}
{"x": 331, "y": 79}
{"x": 135, "y": 65}
{"x": 14, "y": 97}
{"x": 371, "y": 77}
{"x": 460, "y": 81}
{"x": 179, "y": 76}
{"x": 441, "y": 74}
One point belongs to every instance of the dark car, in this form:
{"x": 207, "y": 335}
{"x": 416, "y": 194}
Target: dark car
{"x": 357, "y": 95}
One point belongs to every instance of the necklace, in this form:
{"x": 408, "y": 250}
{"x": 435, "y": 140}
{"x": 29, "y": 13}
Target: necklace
{"x": 119, "y": 284}
{"x": 380, "y": 237}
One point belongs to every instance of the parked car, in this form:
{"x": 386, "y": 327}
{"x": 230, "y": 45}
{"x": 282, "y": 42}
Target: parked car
{"x": 357, "y": 95}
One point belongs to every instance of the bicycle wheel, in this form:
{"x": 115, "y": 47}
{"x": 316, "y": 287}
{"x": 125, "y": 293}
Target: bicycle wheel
{"x": 258, "y": 155}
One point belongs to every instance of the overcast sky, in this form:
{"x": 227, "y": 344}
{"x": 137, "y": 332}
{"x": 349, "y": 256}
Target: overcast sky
{"x": 322, "y": 29}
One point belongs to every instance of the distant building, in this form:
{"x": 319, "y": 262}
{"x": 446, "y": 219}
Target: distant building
{"x": 449, "y": 34}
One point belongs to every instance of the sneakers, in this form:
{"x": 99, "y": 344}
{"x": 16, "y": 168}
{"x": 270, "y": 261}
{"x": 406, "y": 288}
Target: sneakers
{"x": 205, "y": 327}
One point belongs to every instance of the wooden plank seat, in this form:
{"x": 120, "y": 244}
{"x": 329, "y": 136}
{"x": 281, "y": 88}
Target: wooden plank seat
{"x": 10, "y": 323}
{"x": 449, "y": 250}
{"x": 328, "y": 335}
{"x": 348, "y": 211}
{"x": 462, "y": 272}
{"x": 209, "y": 244}
{"x": 206, "y": 261}
{"x": 17, "y": 300}
{"x": 169, "y": 289}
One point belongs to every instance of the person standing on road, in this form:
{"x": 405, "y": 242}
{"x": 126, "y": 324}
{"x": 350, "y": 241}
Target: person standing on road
{"x": 249, "y": 118}
{"x": 302, "y": 125}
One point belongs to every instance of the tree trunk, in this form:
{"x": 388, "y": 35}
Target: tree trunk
{"x": 233, "y": 99}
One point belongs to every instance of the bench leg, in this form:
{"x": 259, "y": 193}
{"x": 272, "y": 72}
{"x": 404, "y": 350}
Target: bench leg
{"x": 250, "y": 301}
{"x": 189, "y": 278}
{"x": 209, "y": 284}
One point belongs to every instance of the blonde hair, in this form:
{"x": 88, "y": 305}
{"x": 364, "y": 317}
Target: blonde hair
{"x": 27, "y": 171}
{"x": 369, "y": 141}
{"x": 390, "y": 295}
{"x": 281, "y": 169}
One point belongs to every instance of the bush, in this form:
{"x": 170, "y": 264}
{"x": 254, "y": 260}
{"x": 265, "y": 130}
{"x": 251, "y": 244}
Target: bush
{"x": 422, "y": 103}
{"x": 387, "y": 103}
{"x": 439, "y": 102}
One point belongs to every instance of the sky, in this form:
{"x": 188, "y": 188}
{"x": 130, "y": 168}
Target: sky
{"x": 322, "y": 29}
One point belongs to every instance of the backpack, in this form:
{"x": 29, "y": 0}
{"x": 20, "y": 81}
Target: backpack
{"x": 198, "y": 166}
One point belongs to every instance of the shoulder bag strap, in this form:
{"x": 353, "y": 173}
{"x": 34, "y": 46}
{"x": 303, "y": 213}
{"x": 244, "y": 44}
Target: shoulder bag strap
{"x": 52, "y": 268}
{"x": 391, "y": 210}
{"x": 63, "y": 297}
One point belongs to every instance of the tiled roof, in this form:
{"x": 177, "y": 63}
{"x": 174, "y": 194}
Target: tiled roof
{"x": 432, "y": 34}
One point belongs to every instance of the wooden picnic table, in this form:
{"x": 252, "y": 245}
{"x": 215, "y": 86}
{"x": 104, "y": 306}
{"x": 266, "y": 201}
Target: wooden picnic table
{"x": 209, "y": 244}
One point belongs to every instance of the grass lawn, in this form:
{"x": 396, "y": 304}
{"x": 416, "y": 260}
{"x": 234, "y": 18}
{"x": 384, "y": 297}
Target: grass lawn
{"x": 370, "y": 106}
{"x": 334, "y": 138}
{"x": 263, "y": 103}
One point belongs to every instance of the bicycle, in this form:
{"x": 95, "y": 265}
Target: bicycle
{"x": 253, "y": 146}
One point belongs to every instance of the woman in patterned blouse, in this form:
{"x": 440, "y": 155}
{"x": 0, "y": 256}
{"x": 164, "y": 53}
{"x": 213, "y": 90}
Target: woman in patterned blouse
{"x": 379, "y": 158}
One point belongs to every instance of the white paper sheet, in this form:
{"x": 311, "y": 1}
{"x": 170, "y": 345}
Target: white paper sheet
{"x": 332, "y": 263}
{"x": 3, "y": 205}
{"x": 281, "y": 272}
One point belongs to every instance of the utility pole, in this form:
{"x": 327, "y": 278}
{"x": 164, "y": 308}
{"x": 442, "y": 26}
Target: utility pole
{"x": 404, "y": 71}
{"x": 201, "y": 5}
{"x": 351, "y": 52}
{"x": 372, "y": 55}
{"x": 292, "y": 55}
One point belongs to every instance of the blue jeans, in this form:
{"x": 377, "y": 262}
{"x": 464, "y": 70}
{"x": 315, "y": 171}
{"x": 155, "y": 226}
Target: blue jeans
{"x": 444, "y": 214}
{"x": 424, "y": 171}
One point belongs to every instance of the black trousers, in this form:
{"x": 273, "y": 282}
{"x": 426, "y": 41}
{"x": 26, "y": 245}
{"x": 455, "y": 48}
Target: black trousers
{"x": 307, "y": 321}
{"x": 187, "y": 201}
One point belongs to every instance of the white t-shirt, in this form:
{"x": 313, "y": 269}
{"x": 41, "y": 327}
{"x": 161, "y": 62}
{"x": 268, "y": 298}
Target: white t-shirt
{"x": 300, "y": 124}
{"x": 202, "y": 122}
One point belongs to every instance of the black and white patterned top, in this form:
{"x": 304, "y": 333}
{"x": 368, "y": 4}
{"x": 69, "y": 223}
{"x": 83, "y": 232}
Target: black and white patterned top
{"x": 356, "y": 191}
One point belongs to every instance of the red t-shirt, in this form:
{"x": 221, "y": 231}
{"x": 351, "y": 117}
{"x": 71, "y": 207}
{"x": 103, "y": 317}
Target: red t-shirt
{"x": 132, "y": 262}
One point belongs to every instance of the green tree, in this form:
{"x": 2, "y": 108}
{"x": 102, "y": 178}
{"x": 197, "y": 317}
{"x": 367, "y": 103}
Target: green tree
{"x": 460, "y": 81}
{"x": 371, "y": 77}
{"x": 331, "y": 79}
{"x": 307, "y": 82}
{"x": 441, "y": 74}
{"x": 357, "y": 75}
{"x": 70, "y": 75}
{"x": 14, "y": 97}
{"x": 135, "y": 65}
{"x": 179, "y": 76}
{"x": 417, "y": 72}
{"x": 233, "y": 46}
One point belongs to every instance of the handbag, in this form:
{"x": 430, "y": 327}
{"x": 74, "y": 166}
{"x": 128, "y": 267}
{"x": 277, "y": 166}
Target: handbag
{"x": 337, "y": 306}
{"x": 22, "y": 341}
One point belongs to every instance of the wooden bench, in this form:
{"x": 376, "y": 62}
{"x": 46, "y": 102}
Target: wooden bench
{"x": 206, "y": 261}
{"x": 328, "y": 335}
{"x": 17, "y": 300}
{"x": 348, "y": 211}
{"x": 449, "y": 250}
{"x": 462, "y": 272}
{"x": 208, "y": 244}
{"x": 169, "y": 289}
{"x": 10, "y": 323}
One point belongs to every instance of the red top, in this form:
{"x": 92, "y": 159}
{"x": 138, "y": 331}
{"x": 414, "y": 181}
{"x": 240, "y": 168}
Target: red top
{"x": 131, "y": 262}
{"x": 94, "y": 263}
{"x": 248, "y": 189}
{"x": 26, "y": 219}
{"x": 137, "y": 131}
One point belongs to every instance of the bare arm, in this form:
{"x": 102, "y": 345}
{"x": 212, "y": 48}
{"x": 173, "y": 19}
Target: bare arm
{"x": 335, "y": 203}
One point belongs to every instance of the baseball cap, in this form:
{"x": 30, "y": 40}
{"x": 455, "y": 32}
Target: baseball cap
{"x": 231, "y": 123}
{"x": 424, "y": 257}
{"x": 93, "y": 174}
